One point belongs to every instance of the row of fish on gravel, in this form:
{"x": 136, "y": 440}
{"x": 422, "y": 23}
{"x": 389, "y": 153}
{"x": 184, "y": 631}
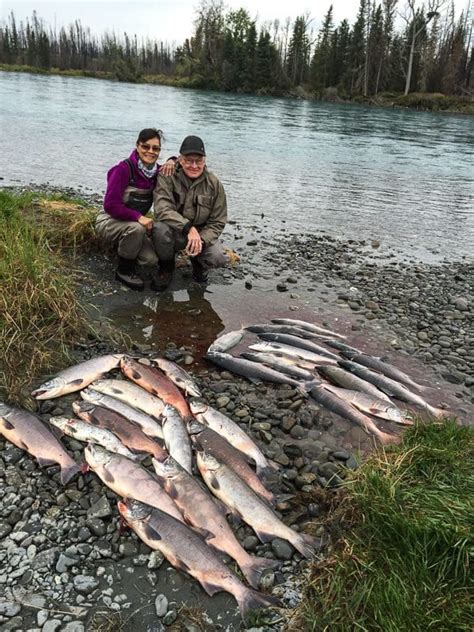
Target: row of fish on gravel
{"x": 125, "y": 420}
{"x": 318, "y": 361}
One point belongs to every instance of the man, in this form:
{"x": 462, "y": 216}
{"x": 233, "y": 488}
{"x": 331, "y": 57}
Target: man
{"x": 191, "y": 213}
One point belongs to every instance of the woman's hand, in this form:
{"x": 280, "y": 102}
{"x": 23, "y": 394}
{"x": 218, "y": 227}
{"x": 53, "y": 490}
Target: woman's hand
{"x": 168, "y": 168}
{"x": 194, "y": 246}
{"x": 147, "y": 222}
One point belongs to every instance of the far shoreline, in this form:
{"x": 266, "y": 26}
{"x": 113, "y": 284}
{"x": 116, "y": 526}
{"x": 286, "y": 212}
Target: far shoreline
{"x": 417, "y": 101}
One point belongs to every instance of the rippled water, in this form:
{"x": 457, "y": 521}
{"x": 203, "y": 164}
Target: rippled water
{"x": 402, "y": 177}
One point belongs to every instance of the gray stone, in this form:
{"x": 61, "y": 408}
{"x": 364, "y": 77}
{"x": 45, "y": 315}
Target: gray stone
{"x": 100, "y": 509}
{"x": 45, "y": 559}
{"x": 96, "y": 526}
{"x": 73, "y": 626}
{"x": 282, "y": 549}
{"x": 9, "y": 608}
{"x": 155, "y": 627}
{"x": 64, "y": 562}
{"x": 85, "y": 584}
{"x": 51, "y": 625}
{"x": 161, "y": 605}
{"x": 250, "y": 543}
{"x": 155, "y": 559}
{"x": 170, "y": 617}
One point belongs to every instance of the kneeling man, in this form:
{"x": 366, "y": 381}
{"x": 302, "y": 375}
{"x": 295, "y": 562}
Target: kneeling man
{"x": 190, "y": 213}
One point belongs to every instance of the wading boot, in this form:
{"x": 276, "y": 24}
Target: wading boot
{"x": 200, "y": 274}
{"x": 125, "y": 273}
{"x": 162, "y": 277}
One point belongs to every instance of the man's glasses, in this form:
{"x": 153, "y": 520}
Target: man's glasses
{"x": 154, "y": 148}
{"x": 189, "y": 162}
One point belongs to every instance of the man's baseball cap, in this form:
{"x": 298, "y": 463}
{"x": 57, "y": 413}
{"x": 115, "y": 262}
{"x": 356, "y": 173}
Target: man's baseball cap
{"x": 192, "y": 145}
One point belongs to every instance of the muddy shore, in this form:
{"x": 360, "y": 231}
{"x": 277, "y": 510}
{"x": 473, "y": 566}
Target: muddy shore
{"x": 65, "y": 566}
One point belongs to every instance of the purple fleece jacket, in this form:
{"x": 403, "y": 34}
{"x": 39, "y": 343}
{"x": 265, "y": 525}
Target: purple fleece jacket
{"x": 117, "y": 181}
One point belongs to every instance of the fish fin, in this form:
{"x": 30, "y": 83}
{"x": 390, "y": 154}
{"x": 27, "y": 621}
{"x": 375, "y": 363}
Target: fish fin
{"x": 249, "y": 600}
{"x": 214, "y": 483}
{"x": 151, "y": 534}
{"x": 255, "y": 568}
{"x": 6, "y": 424}
{"x": 254, "y": 380}
{"x": 108, "y": 477}
{"x": 266, "y": 470}
{"x": 306, "y": 544}
{"x": 41, "y": 459}
{"x": 305, "y": 388}
{"x": 210, "y": 588}
{"x": 204, "y": 533}
{"x": 283, "y": 498}
{"x": 170, "y": 488}
{"x": 136, "y": 375}
{"x": 264, "y": 537}
{"x": 67, "y": 473}
{"x": 180, "y": 564}
{"x": 77, "y": 382}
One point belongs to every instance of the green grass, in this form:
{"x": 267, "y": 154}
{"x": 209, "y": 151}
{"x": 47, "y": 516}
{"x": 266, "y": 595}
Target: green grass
{"x": 40, "y": 316}
{"x": 402, "y": 559}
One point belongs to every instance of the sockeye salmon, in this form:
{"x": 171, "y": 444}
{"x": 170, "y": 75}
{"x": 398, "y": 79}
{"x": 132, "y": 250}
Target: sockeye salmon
{"x": 83, "y": 431}
{"x": 178, "y": 376}
{"x": 231, "y": 489}
{"x": 28, "y": 433}
{"x": 156, "y": 383}
{"x": 149, "y": 425}
{"x": 200, "y": 510}
{"x": 206, "y": 439}
{"x": 227, "y": 341}
{"x": 132, "y": 395}
{"x": 225, "y": 427}
{"x": 127, "y": 478}
{"x": 129, "y": 433}
{"x": 317, "y": 329}
{"x": 176, "y": 437}
{"x": 77, "y": 377}
{"x": 187, "y": 552}
{"x": 341, "y": 407}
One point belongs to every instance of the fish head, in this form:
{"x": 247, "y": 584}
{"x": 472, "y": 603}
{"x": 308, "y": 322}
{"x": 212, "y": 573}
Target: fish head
{"x": 194, "y": 428}
{"x": 133, "y": 510}
{"x": 90, "y": 395}
{"x": 169, "y": 411}
{"x": 83, "y": 407}
{"x": 48, "y": 390}
{"x": 97, "y": 456}
{"x": 207, "y": 462}
{"x": 5, "y": 409}
{"x": 198, "y": 405}
{"x": 60, "y": 422}
{"x": 394, "y": 414}
{"x": 167, "y": 468}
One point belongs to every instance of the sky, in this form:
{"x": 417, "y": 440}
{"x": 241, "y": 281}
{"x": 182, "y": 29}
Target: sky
{"x": 166, "y": 20}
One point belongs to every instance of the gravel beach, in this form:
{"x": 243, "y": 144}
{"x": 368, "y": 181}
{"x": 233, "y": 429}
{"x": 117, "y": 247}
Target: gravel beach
{"x": 65, "y": 564}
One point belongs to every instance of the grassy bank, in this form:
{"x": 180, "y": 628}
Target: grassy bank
{"x": 404, "y": 541}
{"x": 39, "y": 312}
{"x": 432, "y": 102}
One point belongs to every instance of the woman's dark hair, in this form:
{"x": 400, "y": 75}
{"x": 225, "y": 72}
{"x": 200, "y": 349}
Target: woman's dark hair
{"x": 148, "y": 133}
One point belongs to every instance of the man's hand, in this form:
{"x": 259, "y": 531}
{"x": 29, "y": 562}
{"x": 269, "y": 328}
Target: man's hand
{"x": 194, "y": 246}
{"x": 168, "y": 168}
{"x": 147, "y": 222}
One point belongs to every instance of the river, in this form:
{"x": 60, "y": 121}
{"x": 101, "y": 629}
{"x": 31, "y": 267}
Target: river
{"x": 401, "y": 177}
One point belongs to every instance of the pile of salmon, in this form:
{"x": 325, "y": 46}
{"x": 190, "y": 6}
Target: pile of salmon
{"x": 156, "y": 410}
{"x": 319, "y": 362}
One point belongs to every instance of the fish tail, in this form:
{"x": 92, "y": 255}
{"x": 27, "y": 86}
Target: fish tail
{"x": 68, "y": 472}
{"x": 385, "y": 438}
{"x": 249, "y": 600}
{"x": 305, "y": 544}
{"x": 305, "y": 387}
{"x": 254, "y": 568}
{"x": 266, "y": 467}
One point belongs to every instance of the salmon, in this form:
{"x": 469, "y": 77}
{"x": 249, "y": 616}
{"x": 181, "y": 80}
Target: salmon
{"x": 176, "y": 437}
{"x": 296, "y": 353}
{"x": 243, "y": 501}
{"x": 132, "y": 395}
{"x": 187, "y": 552}
{"x": 155, "y": 382}
{"x": 28, "y": 433}
{"x": 77, "y": 377}
{"x": 129, "y": 433}
{"x": 178, "y": 376}
{"x": 200, "y": 510}
{"x": 317, "y": 329}
{"x": 382, "y": 367}
{"x": 225, "y": 427}
{"x": 127, "y": 478}
{"x": 227, "y": 341}
{"x": 149, "y": 425}
{"x": 344, "y": 378}
{"x": 280, "y": 363}
{"x": 207, "y": 439}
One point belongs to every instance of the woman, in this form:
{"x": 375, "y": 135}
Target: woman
{"x": 123, "y": 223}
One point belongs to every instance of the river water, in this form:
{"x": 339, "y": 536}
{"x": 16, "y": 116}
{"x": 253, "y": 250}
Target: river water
{"x": 401, "y": 177}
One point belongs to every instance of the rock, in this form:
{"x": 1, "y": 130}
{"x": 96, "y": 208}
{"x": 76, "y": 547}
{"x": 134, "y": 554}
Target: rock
{"x": 85, "y": 584}
{"x": 51, "y": 625}
{"x": 155, "y": 627}
{"x": 96, "y": 526}
{"x": 100, "y": 509}
{"x": 248, "y": 285}
{"x": 64, "y": 562}
{"x": 461, "y": 303}
{"x": 170, "y": 617}
{"x": 222, "y": 401}
{"x": 250, "y": 543}
{"x": 161, "y": 605}
{"x": 128, "y": 548}
{"x": 341, "y": 455}
{"x": 155, "y": 559}
{"x": 73, "y": 626}
{"x": 45, "y": 559}
{"x": 282, "y": 549}
{"x": 282, "y": 287}
{"x": 9, "y": 608}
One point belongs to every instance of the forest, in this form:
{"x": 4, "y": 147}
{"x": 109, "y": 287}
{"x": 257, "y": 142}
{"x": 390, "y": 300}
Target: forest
{"x": 421, "y": 46}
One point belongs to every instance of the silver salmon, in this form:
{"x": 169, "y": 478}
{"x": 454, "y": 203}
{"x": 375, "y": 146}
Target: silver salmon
{"x": 317, "y": 329}
{"x": 280, "y": 363}
{"x": 156, "y": 383}
{"x": 200, "y": 510}
{"x": 132, "y": 395}
{"x": 296, "y": 353}
{"x": 227, "y": 428}
{"x": 176, "y": 437}
{"x": 77, "y": 377}
{"x": 250, "y": 370}
{"x": 28, "y": 433}
{"x": 231, "y": 489}
{"x": 227, "y": 341}
{"x": 149, "y": 425}
{"x": 178, "y": 376}
{"x": 187, "y": 552}
{"x": 382, "y": 367}
{"x": 344, "y": 378}
{"x": 205, "y": 438}
{"x": 300, "y": 343}
{"x": 129, "y": 433}
{"x": 127, "y": 478}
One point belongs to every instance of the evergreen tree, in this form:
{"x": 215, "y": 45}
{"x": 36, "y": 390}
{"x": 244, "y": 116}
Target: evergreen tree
{"x": 297, "y": 63}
